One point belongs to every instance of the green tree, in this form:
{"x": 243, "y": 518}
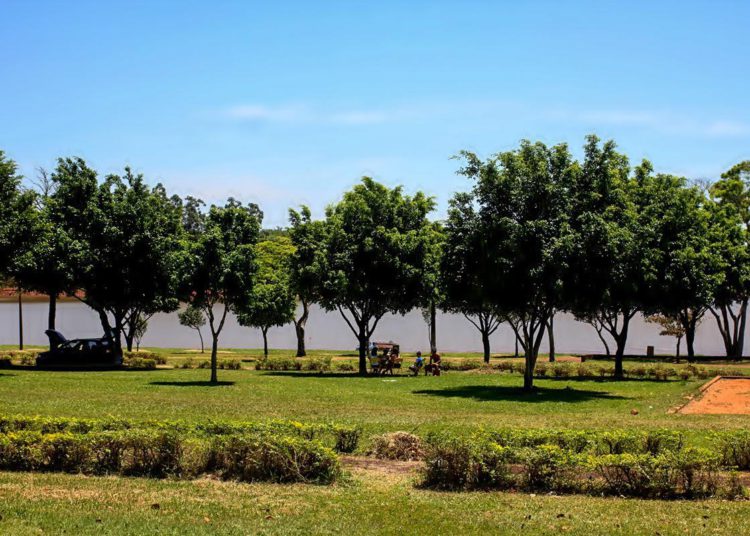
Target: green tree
{"x": 306, "y": 263}
{"x": 671, "y": 326}
{"x": 731, "y": 229}
{"x": 607, "y": 278}
{"x": 192, "y": 317}
{"x": 220, "y": 268}
{"x": 466, "y": 266}
{"x": 433, "y": 293}
{"x": 683, "y": 261}
{"x": 17, "y": 216}
{"x": 522, "y": 202}
{"x": 376, "y": 243}
{"x": 47, "y": 266}
{"x": 272, "y": 301}
{"x": 129, "y": 239}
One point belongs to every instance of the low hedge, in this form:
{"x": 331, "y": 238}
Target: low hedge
{"x": 160, "y": 454}
{"x": 340, "y": 437}
{"x": 462, "y": 463}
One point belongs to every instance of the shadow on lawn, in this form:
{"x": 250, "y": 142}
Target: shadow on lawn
{"x": 488, "y": 393}
{"x": 313, "y": 374}
{"x": 192, "y": 384}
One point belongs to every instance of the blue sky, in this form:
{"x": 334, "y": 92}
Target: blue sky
{"x": 283, "y": 103}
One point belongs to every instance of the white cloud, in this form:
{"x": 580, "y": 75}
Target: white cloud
{"x": 304, "y": 114}
{"x": 659, "y": 121}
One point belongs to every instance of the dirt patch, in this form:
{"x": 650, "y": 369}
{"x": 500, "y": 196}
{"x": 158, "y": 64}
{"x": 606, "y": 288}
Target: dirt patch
{"x": 721, "y": 396}
{"x": 392, "y": 467}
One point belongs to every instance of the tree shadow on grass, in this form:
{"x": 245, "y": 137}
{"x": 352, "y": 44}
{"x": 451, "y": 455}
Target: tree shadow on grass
{"x": 192, "y": 384}
{"x": 315, "y": 374}
{"x": 488, "y": 393}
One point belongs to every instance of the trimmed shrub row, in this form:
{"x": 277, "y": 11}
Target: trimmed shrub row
{"x": 456, "y": 463}
{"x": 314, "y": 364}
{"x": 339, "y": 437}
{"x": 224, "y": 364}
{"x": 160, "y": 454}
{"x": 159, "y": 359}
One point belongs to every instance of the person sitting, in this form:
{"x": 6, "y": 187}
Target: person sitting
{"x": 418, "y": 364}
{"x": 386, "y": 363}
{"x": 434, "y": 365}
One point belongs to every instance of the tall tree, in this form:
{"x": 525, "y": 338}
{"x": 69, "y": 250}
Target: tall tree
{"x": 683, "y": 261}
{"x": 433, "y": 295}
{"x": 308, "y": 238}
{"x": 607, "y": 280}
{"x": 522, "y": 203}
{"x": 129, "y": 241}
{"x": 272, "y": 301}
{"x": 17, "y": 216}
{"x": 220, "y": 268}
{"x": 465, "y": 269}
{"x": 48, "y": 264}
{"x": 377, "y": 240}
{"x": 731, "y": 228}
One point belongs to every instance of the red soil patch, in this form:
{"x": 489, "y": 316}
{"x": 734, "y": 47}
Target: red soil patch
{"x": 729, "y": 396}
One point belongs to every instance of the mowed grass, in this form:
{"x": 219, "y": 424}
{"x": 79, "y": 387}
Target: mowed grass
{"x": 455, "y": 400}
{"x": 368, "y": 503}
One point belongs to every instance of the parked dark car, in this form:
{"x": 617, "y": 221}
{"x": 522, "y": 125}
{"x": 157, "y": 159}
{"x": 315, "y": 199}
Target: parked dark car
{"x": 79, "y": 353}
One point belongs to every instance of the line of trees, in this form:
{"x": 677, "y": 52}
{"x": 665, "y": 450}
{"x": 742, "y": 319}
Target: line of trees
{"x": 537, "y": 232}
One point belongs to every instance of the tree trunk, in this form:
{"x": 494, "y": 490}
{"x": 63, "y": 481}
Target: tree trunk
{"x": 732, "y": 328}
{"x": 486, "y": 345}
{"x": 677, "y": 354}
{"x": 201, "y": 337}
{"x": 689, "y": 339}
{"x": 20, "y": 321}
{"x": 214, "y": 353}
{"x": 264, "y": 330}
{"x": 363, "y": 343}
{"x": 741, "y": 333}
{"x": 433, "y": 328}
{"x": 516, "y": 352}
{"x": 528, "y": 372}
{"x": 129, "y": 338}
{"x": 52, "y": 314}
{"x": 551, "y": 337}
{"x": 299, "y": 328}
{"x": 621, "y": 339}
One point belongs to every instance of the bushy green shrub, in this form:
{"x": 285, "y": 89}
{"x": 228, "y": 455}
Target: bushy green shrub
{"x": 140, "y": 363}
{"x": 344, "y": 366}
{"x": 319, "y": 364}
{"x": 456, "y": 463}
{"x": 734, "y": 448}
{"x": 561, "y": 370}
{"x": 272, "y": 459}
{"x": 160, "y": 359}
{"x": 541, "y": 369}
{"x": 546, "y": 468}
{"x": 396, "y": 446}
{"x": 689, "y": 473}
{"x": 151, "y": 453}
{"x": 278, "y": 364}
{"x": 229, "y": 364}
{"x": 346, "y": 438}
{"x": 505, "y": 366}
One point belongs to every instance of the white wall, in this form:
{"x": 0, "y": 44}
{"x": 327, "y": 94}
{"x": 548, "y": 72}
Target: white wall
{"x": 329, "y": 331}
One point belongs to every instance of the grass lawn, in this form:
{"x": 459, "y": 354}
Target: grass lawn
{"x": 368, "y": 503}
{"x": 369, "y": 500}
{"x": 454, "y": 400}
